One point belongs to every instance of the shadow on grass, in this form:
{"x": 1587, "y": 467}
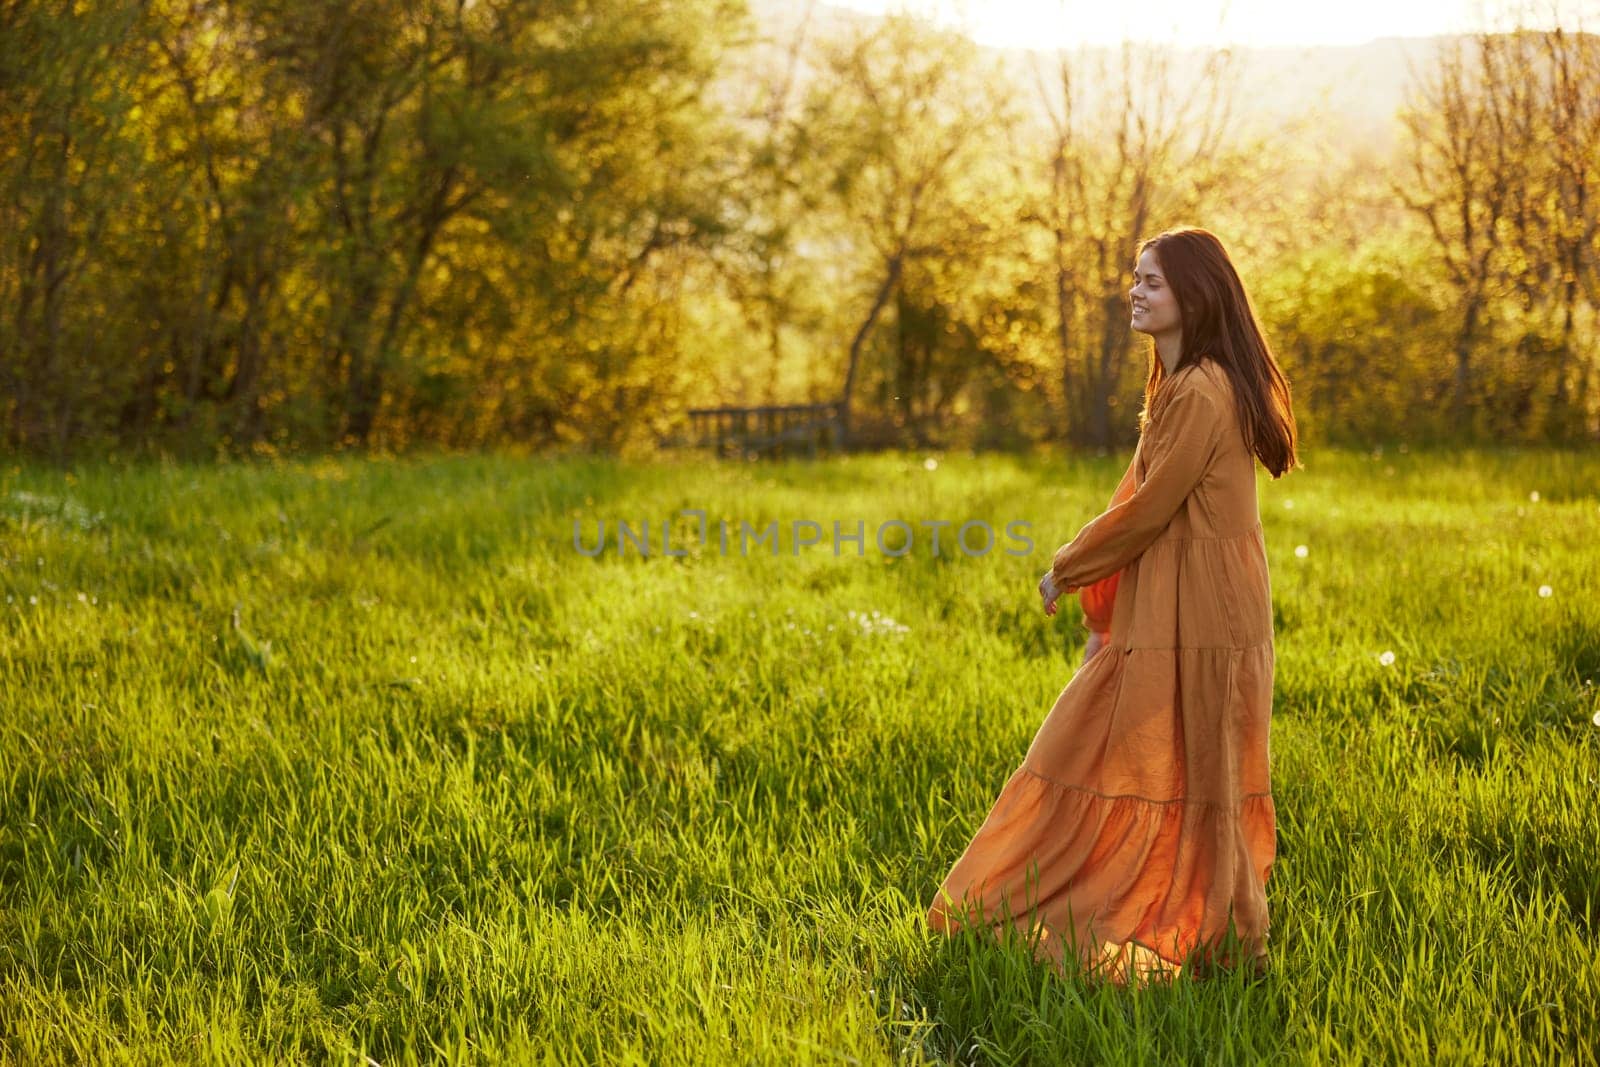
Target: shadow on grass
{"x": 982, "y": 996}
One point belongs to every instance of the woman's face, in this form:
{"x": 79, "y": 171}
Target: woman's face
{"x": 1155, "y": 309}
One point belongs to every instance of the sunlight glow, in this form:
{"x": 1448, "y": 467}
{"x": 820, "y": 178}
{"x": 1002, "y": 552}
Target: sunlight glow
{"x": 1252, "y": 23}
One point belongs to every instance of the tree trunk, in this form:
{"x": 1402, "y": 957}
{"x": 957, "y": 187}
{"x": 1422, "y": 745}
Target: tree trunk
{"x": 1463, "y": 379}
{"x": 1064, "y": 282}
{"x": 891, "y": 278}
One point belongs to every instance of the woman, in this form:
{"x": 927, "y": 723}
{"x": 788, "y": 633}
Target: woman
{"x": 1138, "y": 834}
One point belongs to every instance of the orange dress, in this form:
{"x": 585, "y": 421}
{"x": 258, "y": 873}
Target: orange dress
{"x": 1139, "y": 831}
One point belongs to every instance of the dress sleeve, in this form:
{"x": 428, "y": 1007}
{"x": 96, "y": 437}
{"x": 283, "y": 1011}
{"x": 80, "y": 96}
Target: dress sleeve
{"x": 1097, "y": 599}
{"x": 1178, "y": 448}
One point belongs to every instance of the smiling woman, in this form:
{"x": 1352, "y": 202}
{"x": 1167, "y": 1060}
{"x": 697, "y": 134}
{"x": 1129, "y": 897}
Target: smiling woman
{"x": 1136, "y": 839}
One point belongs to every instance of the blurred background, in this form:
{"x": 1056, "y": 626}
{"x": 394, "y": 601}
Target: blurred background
{"x": 279, "y": 226}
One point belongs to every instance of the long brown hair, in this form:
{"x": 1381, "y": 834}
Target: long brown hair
{"x": 1219, "y": 321}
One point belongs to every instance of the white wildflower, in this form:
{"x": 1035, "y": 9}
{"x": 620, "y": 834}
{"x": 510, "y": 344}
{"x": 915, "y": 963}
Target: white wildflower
{"x": 1301, "y": 551}
{"x": 930, "y": 464}
{"x": 1545, "y": 590}
{"x": 1534, "y": 496}
{"x": 877, "y": 622}
{"x": 1387, "y": 658}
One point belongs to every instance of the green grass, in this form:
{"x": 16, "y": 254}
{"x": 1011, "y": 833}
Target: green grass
{"x": 348, "y": 759}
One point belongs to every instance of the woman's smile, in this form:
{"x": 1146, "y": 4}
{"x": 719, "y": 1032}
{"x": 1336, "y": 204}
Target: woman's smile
{"x": 1155, "y": 309}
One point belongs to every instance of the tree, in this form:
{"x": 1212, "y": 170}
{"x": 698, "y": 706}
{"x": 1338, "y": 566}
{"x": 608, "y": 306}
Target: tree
{"x": 905, "y": 115}
{"x": 67, "y": 169}
{"x": 1504, "y": 153}
{"x": 1461, "y": 183}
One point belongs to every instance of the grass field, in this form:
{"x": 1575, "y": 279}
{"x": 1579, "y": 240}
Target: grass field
{"x": 364, "y": 761}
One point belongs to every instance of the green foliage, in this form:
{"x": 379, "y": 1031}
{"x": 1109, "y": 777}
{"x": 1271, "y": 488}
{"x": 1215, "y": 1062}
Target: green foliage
{"x": 299, "y": 226}
{"x": 488, "y": 800}
{"x": 269, "y": 227}
{"x": 1359, "y": 338}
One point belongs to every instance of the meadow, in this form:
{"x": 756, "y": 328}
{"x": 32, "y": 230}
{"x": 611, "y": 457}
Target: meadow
{"x": 365, "y": 761}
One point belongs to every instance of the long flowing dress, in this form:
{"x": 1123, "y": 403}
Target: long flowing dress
{"x": 1139, "y": 832}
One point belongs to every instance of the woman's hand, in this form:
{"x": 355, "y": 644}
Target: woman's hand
{"x": 1050, "y": 593}
{"x": 1097, "y": 641}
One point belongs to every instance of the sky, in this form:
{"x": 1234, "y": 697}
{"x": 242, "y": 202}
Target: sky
{"x": 1258, "y": 23}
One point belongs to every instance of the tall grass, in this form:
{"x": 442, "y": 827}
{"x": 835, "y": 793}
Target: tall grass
{"x": 364, "y": 761}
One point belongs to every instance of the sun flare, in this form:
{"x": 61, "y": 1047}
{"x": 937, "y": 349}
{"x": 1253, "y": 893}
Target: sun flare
{"x": 1254, "y": 23}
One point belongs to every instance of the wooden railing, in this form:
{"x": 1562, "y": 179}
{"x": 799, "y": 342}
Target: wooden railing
{"x": 772, "y": 429}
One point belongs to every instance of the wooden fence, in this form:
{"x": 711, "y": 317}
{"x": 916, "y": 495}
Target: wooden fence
{"x": 769, "y": 430}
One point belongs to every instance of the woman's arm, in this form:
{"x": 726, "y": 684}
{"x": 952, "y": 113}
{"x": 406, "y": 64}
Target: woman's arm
{"x": 1095, "y": 598}
{"x": 1099, "y": 598}
{"x": 1177, "y": 454}
{"x": 1129, "y": 476}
